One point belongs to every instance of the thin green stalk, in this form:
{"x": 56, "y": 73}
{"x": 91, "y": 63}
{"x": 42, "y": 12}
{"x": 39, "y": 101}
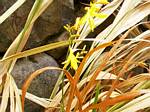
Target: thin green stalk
{"x": 20, "y": 44}
{"x": 56, "y": 87}
{"x": 145, "y": 85}
{"x": 29, "y": 20}
{"x": 62, "y": 101}
{"x": 96, "y": 95}
{"x": 115, "y": 107}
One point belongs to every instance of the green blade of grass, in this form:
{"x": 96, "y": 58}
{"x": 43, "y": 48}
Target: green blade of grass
{"x": 97, "y": 91}
{"x": 35, "y": 50}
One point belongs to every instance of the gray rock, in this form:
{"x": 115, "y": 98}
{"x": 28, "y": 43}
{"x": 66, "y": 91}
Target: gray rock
{"x": 42, "y": 85}
{"x": 61, "y": 51}
{"x": 50, "y": 22}
{"x": 68, "y": 14}
{"x": 69, "y": 3}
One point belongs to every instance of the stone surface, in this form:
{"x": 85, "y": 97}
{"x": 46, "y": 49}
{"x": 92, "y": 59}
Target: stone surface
{"x": 69, "y": 3}
{"x": 68, "y": 14}
{"x": 13, "y": 25}
{"x": 50, "y": 22}
{"x": 40, "y": 86}
{"x": 61, "y": 51}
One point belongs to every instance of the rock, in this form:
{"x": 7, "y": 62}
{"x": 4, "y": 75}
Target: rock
{"x": 68, "y": 14}
{"x": 58, "y": 52}
{"x": 50, "y": 22}
{"x": 69, "y": 3}
{"x": 4, "y": 43}
{"x": 12, "y": 26}
{"x": 42, "y": 85}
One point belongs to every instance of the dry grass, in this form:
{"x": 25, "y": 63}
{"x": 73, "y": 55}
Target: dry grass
{"x": 111, "y": 71}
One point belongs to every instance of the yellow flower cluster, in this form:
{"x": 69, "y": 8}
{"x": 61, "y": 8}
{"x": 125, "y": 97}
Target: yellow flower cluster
{"x": 92, "y": 11}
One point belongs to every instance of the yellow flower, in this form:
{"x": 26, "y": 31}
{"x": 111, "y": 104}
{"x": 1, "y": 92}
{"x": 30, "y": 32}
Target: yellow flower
{"x": 92, "y": 12}
{"x": 72, "y": 60}
{"x": 102, "y": 2}
{"x": 77, "y": 23}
